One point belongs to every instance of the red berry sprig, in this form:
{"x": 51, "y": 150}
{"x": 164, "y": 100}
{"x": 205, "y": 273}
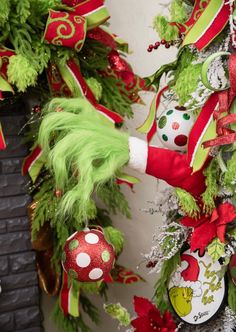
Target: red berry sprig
{"x": 36, "y": 109}
{"x": 151, "y": 264}
{"x": 163, "y": 42}
{"x": 166, "y": 43}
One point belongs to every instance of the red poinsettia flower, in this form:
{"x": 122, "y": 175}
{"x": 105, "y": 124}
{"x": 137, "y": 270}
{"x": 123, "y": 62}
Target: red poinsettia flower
{"x": 150, "y": 319}
{"x": 208, "y": 227}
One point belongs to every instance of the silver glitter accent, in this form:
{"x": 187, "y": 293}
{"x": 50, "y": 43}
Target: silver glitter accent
{"x": 166, "y": 203}
{"x": 168, "y": 240}
{"x": 224, "y": 322}
{"x": 232, "y": 23}
{"x": 217, "y": 75}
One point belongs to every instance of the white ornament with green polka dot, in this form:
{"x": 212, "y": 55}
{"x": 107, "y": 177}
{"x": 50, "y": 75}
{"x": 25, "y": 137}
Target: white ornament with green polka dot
{"x": 173, "y": 128}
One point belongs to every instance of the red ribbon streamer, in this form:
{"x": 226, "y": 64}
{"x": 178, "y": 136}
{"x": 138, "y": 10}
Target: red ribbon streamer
{"x": 2, "y": 140}
{"x": 64, "y": 294}
{"x": 215, "y": 28}
{"x": 225, "y": 134}
{"x": 196, "y": 13}
{"x": 153, "y": 129}
{"x": 30, "y": 159}
{"x": 200, "y": 125}
{"x": 88, "y": 6}
{"x": 103, "y": 37}
{"x": 115, "y": 117}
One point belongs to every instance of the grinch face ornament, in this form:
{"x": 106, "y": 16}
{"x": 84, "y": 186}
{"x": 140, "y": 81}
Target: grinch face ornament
{"x": 87, "y": 256}
{"x": 173, "y": 128}
{"x": 196, "y": 290}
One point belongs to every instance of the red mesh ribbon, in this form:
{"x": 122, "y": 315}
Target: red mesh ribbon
{"x": 103, "y": 37}
{"x": 128, "y": 83}
{"x": 225, "y": 134}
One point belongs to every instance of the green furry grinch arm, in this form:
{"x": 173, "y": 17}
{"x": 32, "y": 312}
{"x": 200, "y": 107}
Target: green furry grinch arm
{"x": 82, "y": 151}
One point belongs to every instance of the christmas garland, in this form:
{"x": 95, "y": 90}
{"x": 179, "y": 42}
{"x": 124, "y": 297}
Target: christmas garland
{"x": 194, "y": 251}
{"x": 64, "y": 50}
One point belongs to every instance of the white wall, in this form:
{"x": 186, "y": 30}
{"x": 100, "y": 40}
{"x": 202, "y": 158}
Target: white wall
{"x": 132, "y": 20}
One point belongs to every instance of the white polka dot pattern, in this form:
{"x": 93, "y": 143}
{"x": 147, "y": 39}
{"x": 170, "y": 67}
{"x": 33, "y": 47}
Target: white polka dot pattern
{"x": 91, "y": 238}
{"x": 87, "y": 256}
{"x": 83, "y": 260}
{"x": 95, "y": 274}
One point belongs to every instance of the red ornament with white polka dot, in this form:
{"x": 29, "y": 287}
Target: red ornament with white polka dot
{"x": 87, "y": 256}
{"x": 173, "y": 128}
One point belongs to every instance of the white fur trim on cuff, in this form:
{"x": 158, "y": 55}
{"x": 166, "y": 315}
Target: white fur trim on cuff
{"x": 138, "y": 151}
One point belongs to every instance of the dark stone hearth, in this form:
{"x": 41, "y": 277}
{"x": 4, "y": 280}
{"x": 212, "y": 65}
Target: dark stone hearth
{"x": 14, "y": 206}
{"x": 4, "y": 266}
{"x": 22, "y": 262}
{"x": 19, "y": 280}
{"x": 17, "y": 224}
{"x": 19, "y": 299}
{"x": 9, "y": 166}
{"x": 32, "y": 329}
{"x": 12, "y": 185}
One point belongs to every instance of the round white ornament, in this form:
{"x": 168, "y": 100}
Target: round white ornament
{"x": 173, "y": 128}
{"x": 196, "y": 290}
